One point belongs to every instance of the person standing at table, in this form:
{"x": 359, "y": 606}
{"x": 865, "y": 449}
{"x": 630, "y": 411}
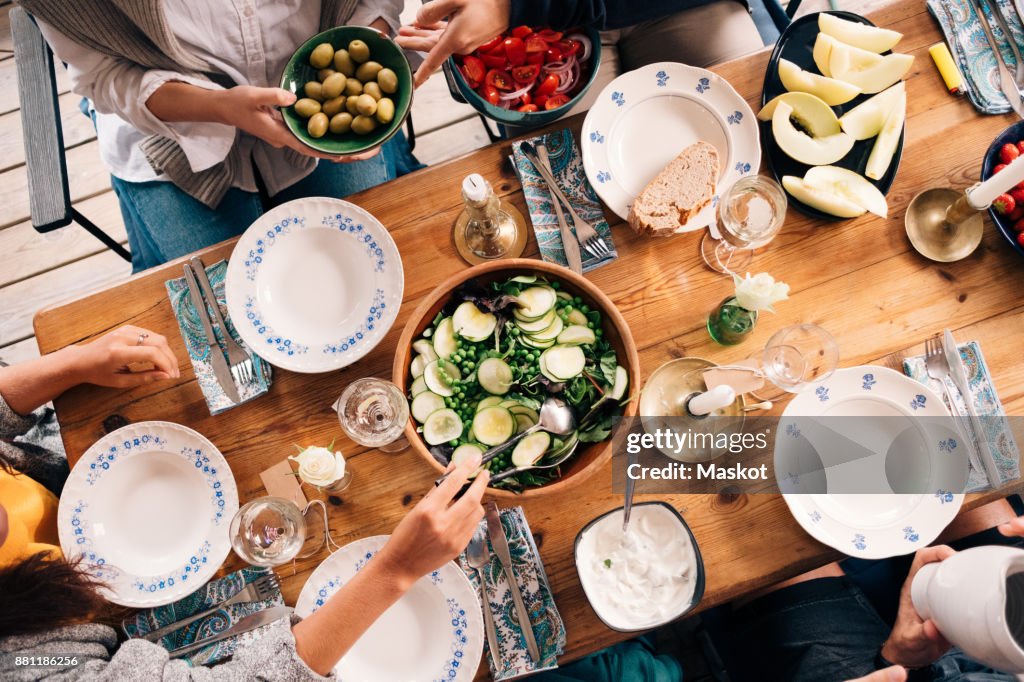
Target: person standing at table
{"x": 185, "y": 105}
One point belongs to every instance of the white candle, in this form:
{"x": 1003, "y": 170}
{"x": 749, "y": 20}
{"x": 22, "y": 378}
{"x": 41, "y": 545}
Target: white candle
{"x": 981, "y": 196}
{"x": 709, "y": 401}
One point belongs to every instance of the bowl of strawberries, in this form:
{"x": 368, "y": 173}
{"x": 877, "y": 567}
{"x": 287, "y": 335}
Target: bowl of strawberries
{"x": 526, "y": 77}
{"x": 1007, "y": 210}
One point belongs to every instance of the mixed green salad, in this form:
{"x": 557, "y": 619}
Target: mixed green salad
{"x": 489, "y": 359}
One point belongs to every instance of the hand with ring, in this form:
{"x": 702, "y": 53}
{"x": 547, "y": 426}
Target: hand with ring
{"x": 126, "y": 357}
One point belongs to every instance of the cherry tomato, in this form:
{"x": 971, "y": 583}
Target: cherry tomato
{"x": 500, "y": 80}
{"x": 556, "y": 101}
{"x": 528, "y": 108}
{"x": 549, "y": 36}
{"x": 535, "y": 49}
{"x": 525, "y": 74}
{"x": 552, "y": 55}
{"x": 515, "y": 50}
{"x": 1004, "y": 204}
{"x": 998, "y": 167}
{"x": 1008, "y": 152}
{"x": 569, "y": 47}
{"x": 474, "y": 70}
{"x": 490, "y": 94}
{"x": 493, "y": 60}
{"x": 494, "y": 42}
{"x": 1020, "y": 146}
{"x": 548, "y": 85}
{"x": 521, "y": 32}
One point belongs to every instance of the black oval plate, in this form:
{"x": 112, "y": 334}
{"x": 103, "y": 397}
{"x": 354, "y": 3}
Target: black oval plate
{"x": 1012, "y": 134}
{"x": 797, "y": 45}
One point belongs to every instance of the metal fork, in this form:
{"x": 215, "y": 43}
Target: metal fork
{"x": 262, "y": 588}
{"x": 241, "y": 363}
{"x": 938, "y": 369}
{"x": 1004, "y": 26}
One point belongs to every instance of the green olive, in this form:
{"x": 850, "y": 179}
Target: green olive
{"x": 332, "y": 106}
{"x": 343, "y": 62}
{"x": 366, "y": 105}
{"x": 334, "y": 85}
{"x": 353, "y": 88}
{"x": 359, "y": 51}
{"x": 341, "y": 123}
{"x": 314, "y": 90}
{"x": 350, "y": 105}
{"x": 368, "y": 71}
{"x": 385, "y": 110}
{"x": 316, "y": 126}
{"x": 388, "y": 80}
{"x": 363, "y": 125}
{"x": 321, "y": 56}
{"x": 373, "y": 90}
{"x": 307, "y": 107}
{"x": 324, "y": 74}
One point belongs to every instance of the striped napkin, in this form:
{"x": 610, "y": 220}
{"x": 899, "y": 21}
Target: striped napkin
{"x": 214, "y": 592}
{"x": 971, "y": 50}
{"x": 198, "y": 349}
{"x": 998, "y": 434}
{"x": 533, "y": 582}
{"x": 567, "y": 167}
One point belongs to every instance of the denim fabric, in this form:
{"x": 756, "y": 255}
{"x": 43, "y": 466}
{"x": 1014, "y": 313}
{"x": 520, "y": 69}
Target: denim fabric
{"x": 631, "y": 661}
{"x": 956, "y": 667}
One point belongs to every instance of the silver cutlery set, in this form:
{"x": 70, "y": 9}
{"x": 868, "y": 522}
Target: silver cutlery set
{"x": 1011, "y": 83}
{"x": 240, "y": 372}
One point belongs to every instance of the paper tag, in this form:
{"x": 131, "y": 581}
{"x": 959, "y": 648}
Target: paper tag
{"x": 741, "y": 380}
{"x": 281, "y": 481}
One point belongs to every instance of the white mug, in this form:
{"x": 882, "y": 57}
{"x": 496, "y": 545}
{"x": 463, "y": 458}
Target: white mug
{"x": 976, "y": 599}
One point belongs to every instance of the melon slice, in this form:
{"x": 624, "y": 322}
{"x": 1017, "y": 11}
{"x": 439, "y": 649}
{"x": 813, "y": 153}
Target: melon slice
{"x": 821, "y": 199}
{"x": 850, "y": 186}
{"x": 866, "y": 119}
{"x": 822, "y": 52}
{"x": 814, "y": 116}
{"x": 833, "y": 92}
{"x": 872, "y": 78}
{"x": 888, "y": 139}
{"x": 871, "y": 38}
{"x": 814, "y": 151}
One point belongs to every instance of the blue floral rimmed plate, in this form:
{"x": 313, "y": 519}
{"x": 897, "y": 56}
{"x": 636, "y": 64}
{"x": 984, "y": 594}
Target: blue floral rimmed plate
{"x": 644, "y": 118}
{"x": 314, "y": 284}
{"x": 862, "y": 408}
{"x": 435, "y": 632}
{"x": 147, "y": 508}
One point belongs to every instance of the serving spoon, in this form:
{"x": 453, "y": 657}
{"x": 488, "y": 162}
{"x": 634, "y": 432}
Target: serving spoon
{"x": 502, "y": 475}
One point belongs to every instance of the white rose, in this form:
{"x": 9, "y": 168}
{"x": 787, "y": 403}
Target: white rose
{"x": 759, "y": 292}
{"x": 319, "y": 466}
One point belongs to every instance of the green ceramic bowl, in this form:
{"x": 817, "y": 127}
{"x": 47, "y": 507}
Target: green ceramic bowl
{"x": 383, "y": 50}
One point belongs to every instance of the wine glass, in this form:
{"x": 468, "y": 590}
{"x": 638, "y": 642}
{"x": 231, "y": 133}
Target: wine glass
{"x": 798, "y": 357}
{"x": 268, "y": 531}
{"x": 750, "y": 214}
{"x": 373, "y": 412}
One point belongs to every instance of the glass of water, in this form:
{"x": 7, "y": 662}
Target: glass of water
{"x": 269, "y": 531}
{"x": 373, "y": 412}
{"x": 799, "y": 357}
{"x": 750, "y": 214}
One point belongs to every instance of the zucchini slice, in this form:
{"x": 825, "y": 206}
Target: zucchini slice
{"x": 494, "y": 425}
{"x": 440, "y": 379}
{"x": 577, "y": 334}
{"x": 495, "y": 376}
{"x": 426, "y": 349}
{"x": 418, "y": 386}
{"x": 489, "y": 401}
{"x": 561, "y": 362}
{"x": 530, "y": 449}
{"x": 465, "y": 450}
{"x": 530, "y": 342}
{"x": 537, "y": 325}
{"x": 473, "y": 324}
{"x": 441, "y": 427}
{"x": 551, "y": 333}
{"x": 621, "y": 383}
{"x": 417, "y": 366}
{"x": 577, "y": 317}
{"x": 528, "y": 411}
{"x": 523, "y": 422}
{"x": 524, "y": 279}
{"x": 536, "y": 302}
{"x": 425, "y": 404}
{"x": 444, "y": 338}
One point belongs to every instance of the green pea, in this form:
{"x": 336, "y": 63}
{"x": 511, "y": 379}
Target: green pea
{"x": 530, "y": 357}
{"x": 334, "y": 85}
{"x": 317, "y": 124}
{"x": 368, "y": 71}
{"x": 321, "y": 56}
{"x": 516, "y": 331}
{"x": 555, "y": 285}
{"x": 341, "y": 123}
{"x": 343, "y": 62}
{"x": 358, "y": 51}
{"x": 577, "y": 300}
{"x": 458, "y": 343}
{"x": 584, "y": 309}
{"x": 388, "y": 80}
{"x": 454, "y": 443}
{"x": 314, "y": 90}
{"x": 306, "y": 107}
{"x": 385, "y": 110}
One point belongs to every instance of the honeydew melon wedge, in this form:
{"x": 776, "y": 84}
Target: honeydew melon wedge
{"x": 814, "y": 151}
{"x": 866, "y": 120}
{"x": 821, "y": 53}
{"x": 820, "y": 199}
{"x": 871, "y": 38}
{"x": 874, "y": 78}
{"x": 848, "y": 185}
{"x": 857, "y": 59}
{"x": 888, "y": 139}
{"x": 813, "y": 114}
{"x": 832, "y": 91}
{"x": 472, "y": 323}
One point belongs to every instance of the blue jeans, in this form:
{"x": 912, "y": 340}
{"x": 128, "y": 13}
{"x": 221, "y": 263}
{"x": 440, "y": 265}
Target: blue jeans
{"x": 164, "y": 223}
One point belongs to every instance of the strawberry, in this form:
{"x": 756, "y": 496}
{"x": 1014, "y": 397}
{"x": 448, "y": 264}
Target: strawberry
{"x": 1016, "y": 214}
{"x": 1020, "y": 146}
{"x": 1018, "y": 226}
{"x": 1018, "y": 196}
{"x": 1008, "y": 152}
{"x": 1020, "y": 238}
{"x": 998, "y": 167}
{"x": 1004, "y": 204}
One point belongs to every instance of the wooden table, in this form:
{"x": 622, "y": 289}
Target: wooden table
{"x": 859, "y": 278}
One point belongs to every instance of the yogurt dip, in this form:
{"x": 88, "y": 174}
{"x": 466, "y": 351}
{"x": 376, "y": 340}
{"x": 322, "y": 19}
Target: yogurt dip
{"x": 640, "y": 579}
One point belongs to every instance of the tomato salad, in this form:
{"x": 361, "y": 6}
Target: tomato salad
{"x": 528, "y": 70}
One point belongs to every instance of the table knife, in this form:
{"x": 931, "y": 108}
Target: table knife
{"x": 1006, "y": 82}
{"x": 997, "y": 12}
{"x": 499, "y": 543}
{"x": 570, "y": 245}
{"x": 217, "y": 361}
{"x": 959, "y": 376}
{"x": 250, "y": 622}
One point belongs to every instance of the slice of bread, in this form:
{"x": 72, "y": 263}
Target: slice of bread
{"x": 679, "y": 192}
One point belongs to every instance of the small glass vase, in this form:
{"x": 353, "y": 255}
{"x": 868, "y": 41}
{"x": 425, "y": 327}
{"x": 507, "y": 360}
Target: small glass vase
{"x": 338, "y": 486}
{"x": 729, "y": 323}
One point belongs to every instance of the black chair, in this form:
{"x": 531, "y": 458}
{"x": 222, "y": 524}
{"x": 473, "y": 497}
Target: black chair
{"x": 49, "y": 194}
{"x": 771, "y": 18}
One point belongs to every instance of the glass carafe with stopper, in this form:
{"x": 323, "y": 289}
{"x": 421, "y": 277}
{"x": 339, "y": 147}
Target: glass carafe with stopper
{"x": 488, "y": 228}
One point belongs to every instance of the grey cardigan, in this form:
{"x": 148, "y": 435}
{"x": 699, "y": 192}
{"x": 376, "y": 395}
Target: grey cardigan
{"x": 137, "y": 31}
{"x": 32, "y": 446}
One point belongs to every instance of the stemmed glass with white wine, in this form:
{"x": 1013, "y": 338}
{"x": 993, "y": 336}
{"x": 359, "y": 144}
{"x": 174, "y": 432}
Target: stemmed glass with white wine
{"x": 749, "y": 214}
{"x": 373, "y": 412}
{"x": 797, "y": 358}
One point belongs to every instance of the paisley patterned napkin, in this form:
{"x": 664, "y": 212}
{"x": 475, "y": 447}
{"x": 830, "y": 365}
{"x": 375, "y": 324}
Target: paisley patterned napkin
{"x": 198, "y": 350}
{"x": 973, "y": 55}
{"x": 212, "y": 593}
{"x": 547, "y": 623}
{"x": 998, "y": 434}
{"x": 567, "y": 167}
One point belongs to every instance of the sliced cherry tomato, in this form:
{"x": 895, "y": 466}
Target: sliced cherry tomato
{"x": 568, "y": 47}
{"x": 474, "y": 70}
{"x": 549, "y": 36}
{"x": 515, "y": 50}
{"x": 552, "y": 55}
{"x": 494, "y": 42}
{"x": 521, "y": 32}
{"x": 528, "y": 108}
{"x": 525, "y": 74}
{"x": 500, "y": 80}
{"x": 492, "y": 60}
{"x": 490, "y": 94}
{"x": 528, "y": 99}
{"x": 535, "y": 49}
{"x": 547, "y": 86}
{"x": 556, "y": 101}
{"x": 540, "y": 100}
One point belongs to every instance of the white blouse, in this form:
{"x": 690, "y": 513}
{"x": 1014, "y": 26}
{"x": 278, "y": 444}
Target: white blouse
{"x": 248, "y": 41}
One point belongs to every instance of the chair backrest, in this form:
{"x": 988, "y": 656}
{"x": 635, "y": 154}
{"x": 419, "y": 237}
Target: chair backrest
{"x": 49, "y": 196}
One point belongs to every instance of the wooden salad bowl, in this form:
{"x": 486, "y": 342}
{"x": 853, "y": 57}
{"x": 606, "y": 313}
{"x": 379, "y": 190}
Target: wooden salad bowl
{"x": 589, "y": 457}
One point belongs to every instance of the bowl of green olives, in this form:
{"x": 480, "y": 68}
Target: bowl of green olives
{"x": 353, "y": 87}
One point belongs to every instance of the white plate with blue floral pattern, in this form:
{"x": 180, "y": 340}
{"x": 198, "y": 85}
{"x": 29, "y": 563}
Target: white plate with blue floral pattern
{"x": 148, "y": 507}
{"x": 435, "y": 632}
{"x": 314, "y": 284}
{"x": 904, "y": 433}
{"x": 644, "y": 118}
